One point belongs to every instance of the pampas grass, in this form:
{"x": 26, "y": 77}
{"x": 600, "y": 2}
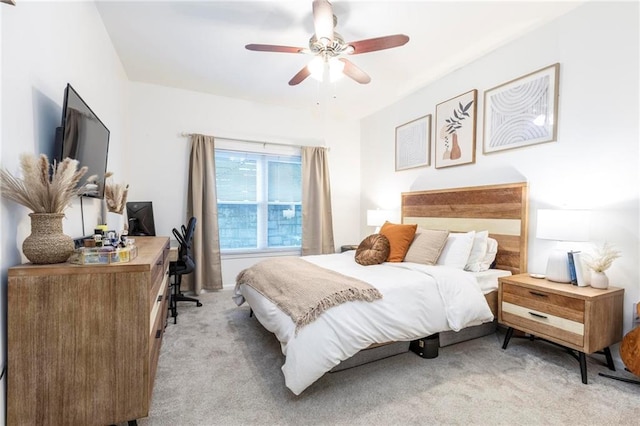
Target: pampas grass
{"x": 602, "y": 258}
{"x": 42, "y": 191}
{"x": 115, "y": 194}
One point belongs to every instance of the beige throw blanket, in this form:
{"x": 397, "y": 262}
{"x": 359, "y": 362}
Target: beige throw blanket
{"x": 303, "y": 290}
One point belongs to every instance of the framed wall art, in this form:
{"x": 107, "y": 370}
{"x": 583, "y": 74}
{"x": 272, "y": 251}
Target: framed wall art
{"x": 522, "y": 112}
{"x": 413, "y": 144}
{"x": 456, "y": 130}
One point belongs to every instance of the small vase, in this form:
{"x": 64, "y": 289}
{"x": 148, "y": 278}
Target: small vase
{"x": 47, "y": 243}
{"x": 599, "y": 280}
{"x": 456, "y": 152}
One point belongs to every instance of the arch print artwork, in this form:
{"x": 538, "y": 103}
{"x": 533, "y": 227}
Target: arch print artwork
{"x": 456, "y": 130}
{"x": 522, "y": 112}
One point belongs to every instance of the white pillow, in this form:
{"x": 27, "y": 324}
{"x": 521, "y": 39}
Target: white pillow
{"x": 478, "y": 251}
{"x": 456, "y": 250}
{"x": 492, "y": 250}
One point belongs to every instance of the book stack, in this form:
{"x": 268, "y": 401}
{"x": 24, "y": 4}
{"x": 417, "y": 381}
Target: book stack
{"x": 575, "y": 269}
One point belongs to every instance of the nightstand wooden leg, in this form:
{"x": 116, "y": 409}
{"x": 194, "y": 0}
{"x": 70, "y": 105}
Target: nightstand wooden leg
{"x": 507, "y": 337}
{"x": 607, "y": 354}
{"x": 583, "y": 366}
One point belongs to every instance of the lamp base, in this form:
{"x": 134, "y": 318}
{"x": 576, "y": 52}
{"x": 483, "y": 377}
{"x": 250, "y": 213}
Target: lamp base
{"x": 558, "y": 267}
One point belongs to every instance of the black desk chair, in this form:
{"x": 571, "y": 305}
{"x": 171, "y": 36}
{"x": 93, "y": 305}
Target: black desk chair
{"x": 183, "y": 266}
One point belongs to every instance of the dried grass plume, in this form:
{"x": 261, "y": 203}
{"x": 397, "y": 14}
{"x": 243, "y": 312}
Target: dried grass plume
{"x": 602, "y": 258}
{"x": 44, "y": 188}
{"x": 115, "y": 194}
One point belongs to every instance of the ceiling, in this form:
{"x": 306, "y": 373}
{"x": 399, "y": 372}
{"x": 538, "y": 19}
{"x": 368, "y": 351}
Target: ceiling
{"x": 199, "y": 45}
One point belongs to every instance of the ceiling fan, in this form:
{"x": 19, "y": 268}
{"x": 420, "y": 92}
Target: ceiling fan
{"x": 330, "y": 49}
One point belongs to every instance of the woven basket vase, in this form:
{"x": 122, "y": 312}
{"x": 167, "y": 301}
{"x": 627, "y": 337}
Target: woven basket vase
{"x": 47, "y": 243}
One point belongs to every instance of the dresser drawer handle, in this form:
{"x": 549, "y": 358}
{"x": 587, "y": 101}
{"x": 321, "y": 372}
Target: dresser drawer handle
{"x": 537, "y": 315}
{"x": 160, "y": 298}
{"x": 535, "y": 293}
{"x": 158, "y": 334}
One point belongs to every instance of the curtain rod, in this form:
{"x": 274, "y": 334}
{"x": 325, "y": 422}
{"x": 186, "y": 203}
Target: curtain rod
{"x": 186, "y": 134}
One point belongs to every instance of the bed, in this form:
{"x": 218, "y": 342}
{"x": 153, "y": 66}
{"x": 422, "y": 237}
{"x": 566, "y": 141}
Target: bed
{"x": 417, "y": 300}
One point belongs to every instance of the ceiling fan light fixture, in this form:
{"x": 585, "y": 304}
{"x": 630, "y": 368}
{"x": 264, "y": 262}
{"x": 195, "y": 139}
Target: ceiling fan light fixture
{"x": 335, "y": 69}
{"x": 316, "y": 68}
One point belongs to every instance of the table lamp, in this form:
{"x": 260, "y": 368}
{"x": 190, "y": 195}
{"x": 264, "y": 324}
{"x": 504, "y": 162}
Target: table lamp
{"x": 378, "y": 217}
{"x": 561, "y": 226}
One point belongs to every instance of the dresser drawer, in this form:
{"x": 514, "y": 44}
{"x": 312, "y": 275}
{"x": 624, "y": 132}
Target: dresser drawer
{"x": 543, "y": 324}
{"x": 543, "y": 301}
{"x": 157, "y": 323}
{"x": 544, "y": 313}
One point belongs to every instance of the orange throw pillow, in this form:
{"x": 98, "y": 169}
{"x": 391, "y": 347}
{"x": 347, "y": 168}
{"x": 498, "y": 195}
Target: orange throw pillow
{"x": 400, "y": 238}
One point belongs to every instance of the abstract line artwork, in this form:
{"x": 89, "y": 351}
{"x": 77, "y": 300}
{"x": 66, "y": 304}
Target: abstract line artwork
{"x": 522, "y": 112}
{"x": 413, "y": 141}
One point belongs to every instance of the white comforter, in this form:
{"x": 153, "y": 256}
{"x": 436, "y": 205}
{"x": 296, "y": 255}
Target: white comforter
{"x": 418, "y": 300}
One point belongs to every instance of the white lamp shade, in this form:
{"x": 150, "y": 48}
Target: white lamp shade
{"x": 563, "y": 225}
{"x": 376, "y": 217}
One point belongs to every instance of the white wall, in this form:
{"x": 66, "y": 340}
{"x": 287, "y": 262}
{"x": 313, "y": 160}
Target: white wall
{"x": 158, "y": 156}
{"x": 593, "y": 164}
{"x": 45, "y": 46}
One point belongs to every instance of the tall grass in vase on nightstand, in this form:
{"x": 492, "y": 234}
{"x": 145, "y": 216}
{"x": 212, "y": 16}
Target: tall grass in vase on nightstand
{"x": 598, "y": 262}
{"x": 47, "y": 190}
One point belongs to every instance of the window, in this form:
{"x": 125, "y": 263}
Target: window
{"x": 259, "y": 201}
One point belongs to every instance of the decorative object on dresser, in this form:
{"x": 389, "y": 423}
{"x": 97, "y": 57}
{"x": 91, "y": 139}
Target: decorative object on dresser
{"x": 413, "y": 143}
{"x": 598, "y": 262}
{"x": 83, "y": 340}
{"x": 523, "y": 111}
{"x": 581, "y": 319}
{"x": 47, "y": 190}
{"x": 630, "y": 350}
{"x": 115, "y": 194}
{"x": 456, "y": 130}
{"x": 564, "y": 227}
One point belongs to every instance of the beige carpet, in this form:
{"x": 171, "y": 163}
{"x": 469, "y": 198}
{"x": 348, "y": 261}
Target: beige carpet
{"x": 218, "y": 366}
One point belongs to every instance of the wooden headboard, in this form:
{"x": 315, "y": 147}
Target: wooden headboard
{"x": 501, "y": 209}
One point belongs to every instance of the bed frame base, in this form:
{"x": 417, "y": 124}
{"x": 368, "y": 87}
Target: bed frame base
{"x": 373, "y": 353}
{"x": 451, "y": 337}
{"x": 385, "y": 350}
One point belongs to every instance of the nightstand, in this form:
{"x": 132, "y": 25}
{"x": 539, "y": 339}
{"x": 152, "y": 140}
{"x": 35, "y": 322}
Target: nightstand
{"x": 584, "y": 320}
{"x": 348, "y": 247}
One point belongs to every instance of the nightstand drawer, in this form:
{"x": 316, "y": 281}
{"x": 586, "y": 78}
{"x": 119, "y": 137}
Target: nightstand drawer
{"x": 545, "y": 302}
{"x": 543, "y": 323}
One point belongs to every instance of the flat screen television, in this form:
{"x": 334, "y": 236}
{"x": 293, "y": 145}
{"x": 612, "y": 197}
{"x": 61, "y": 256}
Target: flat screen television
{"x": 140, "y": 217}
{"x": 83, "y": 137}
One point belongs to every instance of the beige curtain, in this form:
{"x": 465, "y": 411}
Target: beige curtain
{"x": 202, "y": 204}
{"x": 317, "y": 222}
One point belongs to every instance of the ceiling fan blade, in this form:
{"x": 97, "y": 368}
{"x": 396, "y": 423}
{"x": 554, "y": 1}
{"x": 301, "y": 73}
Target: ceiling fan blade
{"x": 352, "y": 71}
{"x": 379, "y": 43}
{"x": 323, "y": 21}
{"x": 298, "y": 78}
{"x": 273, "y": 48}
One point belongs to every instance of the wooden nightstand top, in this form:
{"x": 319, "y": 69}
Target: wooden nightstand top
{"x": 570, "y": 290}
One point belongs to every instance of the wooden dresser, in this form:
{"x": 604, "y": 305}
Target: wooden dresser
{"x": 83, "y": 341}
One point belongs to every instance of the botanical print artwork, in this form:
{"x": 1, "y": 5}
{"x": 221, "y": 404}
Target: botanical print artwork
{"x": 456, "y": 130}
{"x": 522, "y": 112}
